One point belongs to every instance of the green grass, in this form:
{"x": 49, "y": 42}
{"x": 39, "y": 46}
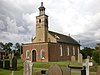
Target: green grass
{"x": 39, "y": 65}
{"x": 5, "y": 72}
{"x": 48, "y": 64}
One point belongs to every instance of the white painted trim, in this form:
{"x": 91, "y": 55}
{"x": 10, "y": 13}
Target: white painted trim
{"x": 67, "y": 50}
{"x": 61, "y": 53}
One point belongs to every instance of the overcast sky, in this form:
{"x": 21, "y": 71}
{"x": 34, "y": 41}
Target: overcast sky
{"x": 79, "y": 18}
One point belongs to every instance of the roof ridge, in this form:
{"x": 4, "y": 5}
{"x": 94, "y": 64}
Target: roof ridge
{"x": 59, "y": 33}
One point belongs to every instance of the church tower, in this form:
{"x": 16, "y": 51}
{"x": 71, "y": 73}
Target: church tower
{"x": 42, "y": 25}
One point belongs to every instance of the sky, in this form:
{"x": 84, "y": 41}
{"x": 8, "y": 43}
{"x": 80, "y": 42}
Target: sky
{"x": 79, "y": 18}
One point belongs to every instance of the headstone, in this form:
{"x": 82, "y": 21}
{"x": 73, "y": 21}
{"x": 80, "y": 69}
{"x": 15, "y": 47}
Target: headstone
{"x": 55, "y": 70}
{"x": 14, "y": 63}
{"x": 80, "y": 58}
{"x": 73, "y": 59}
{"x": 88, "y": 57}
{"x": 65, "y": 70}
{"x": 7, "y": 64}
{"x": 98, "y": 71}
{"x": 1, "y": 64}
{"x": 0, "y": 56}
{"x": 3, "y": 56}
{"x": 10, "y": 56}
{"x": 12, "y": 73}
{"x": 27, "y": 67}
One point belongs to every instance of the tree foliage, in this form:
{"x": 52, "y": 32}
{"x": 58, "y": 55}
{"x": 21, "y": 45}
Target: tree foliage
{"x": 86, "y": 52}
{"x": 96, "y": 53}
{"x": 6, "y": 46}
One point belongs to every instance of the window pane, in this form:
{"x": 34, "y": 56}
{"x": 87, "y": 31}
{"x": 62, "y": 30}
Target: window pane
{"x": 68, "y": 51}
{"x": 60, "y": 50}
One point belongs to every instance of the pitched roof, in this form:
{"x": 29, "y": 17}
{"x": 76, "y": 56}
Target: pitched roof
{"x": 63, "y": 38}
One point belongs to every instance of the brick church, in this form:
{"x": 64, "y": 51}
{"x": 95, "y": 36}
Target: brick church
{"x": 48, "y": 45}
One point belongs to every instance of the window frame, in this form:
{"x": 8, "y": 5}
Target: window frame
{"x": 67, "y": 50}
{"x": 61, "y": 51}
{"x": 42, "y": 54}
{"x": 27, "y": 54}
{"x": 73, "y": 50}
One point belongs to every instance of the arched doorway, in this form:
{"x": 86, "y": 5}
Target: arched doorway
{"x": 33, "y": 56}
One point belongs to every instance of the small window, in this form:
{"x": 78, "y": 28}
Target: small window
{"x": 27, "y": 54}
{"x": 60, "y": 50}
{"x": 42, "y": 54}
{"x": 67, "y": 50}
{"x": 39, "y": 20}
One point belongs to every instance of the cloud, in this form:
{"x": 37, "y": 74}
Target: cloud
{"x": 2, "y": 26}
{"x": 80, "y": 18}
{"x": 11, "y": 25}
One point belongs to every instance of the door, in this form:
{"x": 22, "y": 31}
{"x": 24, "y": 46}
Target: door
{"x": 33, "y": 56}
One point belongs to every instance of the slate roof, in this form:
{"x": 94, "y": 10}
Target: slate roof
{"x": 64, "y": 38}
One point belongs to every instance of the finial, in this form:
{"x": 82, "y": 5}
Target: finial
{"x": 41, "y": 3}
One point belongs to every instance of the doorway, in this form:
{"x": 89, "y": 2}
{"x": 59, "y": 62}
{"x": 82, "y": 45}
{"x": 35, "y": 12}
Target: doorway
{"x": 33, "y": 56}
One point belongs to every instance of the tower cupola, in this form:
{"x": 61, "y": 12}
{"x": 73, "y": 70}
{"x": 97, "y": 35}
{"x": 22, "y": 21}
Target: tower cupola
{"x": 41, "y": 9}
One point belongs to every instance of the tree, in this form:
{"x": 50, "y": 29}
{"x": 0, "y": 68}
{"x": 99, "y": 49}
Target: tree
{"x": 96, "y": 53}
{"x": 1, "y": 46}
{"x": 97, "y": 46}
{"x": 96, "y": 56}
{"x": 18, "y": 49}
{"x": 6, "y": 47}
{"x": 86, "y": 52}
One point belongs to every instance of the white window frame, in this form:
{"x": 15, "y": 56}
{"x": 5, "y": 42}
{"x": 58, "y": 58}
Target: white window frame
{"x": 27, "y": 54}
{"x": 67, "y": 50}
{"x": 41, "y": 54}
{"x": 78, "y": 51}
{"x": 61, "y": 53}
{"x": 73, "y": 50}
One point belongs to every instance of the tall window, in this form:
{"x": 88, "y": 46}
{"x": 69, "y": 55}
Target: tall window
{"x": 27, "y": 53}
{"x": 42, "y": 54}
{"x": 60, "y": 50}
{"x": 67, "y": 50}
{"x": 73, "y": 50}
{"x": 78, "y": 50}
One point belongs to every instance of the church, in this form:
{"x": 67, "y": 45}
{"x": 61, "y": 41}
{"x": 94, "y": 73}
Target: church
{"x": 47, "y": 45}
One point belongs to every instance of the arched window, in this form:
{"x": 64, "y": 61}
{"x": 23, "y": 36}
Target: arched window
{"x": 73, "y": 50}
{"x": 60, "y": 50}
{"x": 78, "y": 50}
{"x": 39, "y": 20}
{"x": 67, "y": 50}
{"x": 42, "y": 54}
{"x": 27, "y": 53}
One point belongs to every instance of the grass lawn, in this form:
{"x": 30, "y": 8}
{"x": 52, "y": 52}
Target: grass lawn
{"x": 39, "y": 65}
